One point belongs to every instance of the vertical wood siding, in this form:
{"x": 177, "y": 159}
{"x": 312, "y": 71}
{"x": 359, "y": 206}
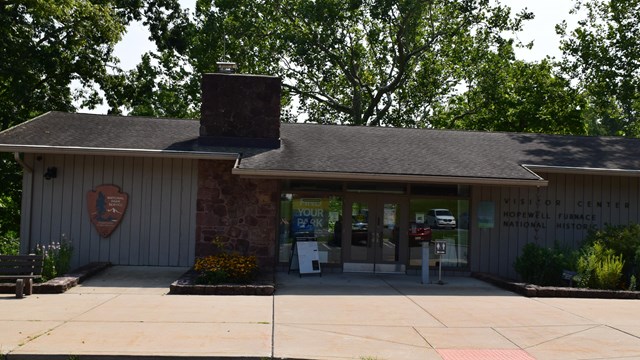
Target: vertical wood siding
{"x": 158, "y": 228}
{"x": 561, "y": 213}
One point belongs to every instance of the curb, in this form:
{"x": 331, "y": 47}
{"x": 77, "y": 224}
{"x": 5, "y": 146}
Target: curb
{"x": 61, "y": 284}
{"x": 530, "y": 290}
{"x": 186, "y": 285}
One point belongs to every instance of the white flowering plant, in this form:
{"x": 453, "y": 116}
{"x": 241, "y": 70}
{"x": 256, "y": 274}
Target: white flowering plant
{"x": 57, "y": 258}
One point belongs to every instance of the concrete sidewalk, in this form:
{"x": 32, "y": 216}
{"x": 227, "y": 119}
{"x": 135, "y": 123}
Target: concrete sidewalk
{"x": 336, "y": 316}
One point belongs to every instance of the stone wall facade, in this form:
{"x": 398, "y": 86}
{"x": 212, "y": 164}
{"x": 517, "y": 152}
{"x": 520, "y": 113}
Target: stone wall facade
{"x": 241, "y": 214}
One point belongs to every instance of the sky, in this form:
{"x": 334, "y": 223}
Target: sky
{"x": 541, "y": 30}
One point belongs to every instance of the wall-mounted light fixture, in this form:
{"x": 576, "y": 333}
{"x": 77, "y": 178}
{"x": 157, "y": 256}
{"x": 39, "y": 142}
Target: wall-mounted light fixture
{"x": 51, "y": 173}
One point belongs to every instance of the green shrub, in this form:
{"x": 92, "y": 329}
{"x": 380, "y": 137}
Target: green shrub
{"x": 599, "y": 267}
{"x": 543, "y": 266}
{"x": 624, "y": 241}
{"x": 9, "y": 244}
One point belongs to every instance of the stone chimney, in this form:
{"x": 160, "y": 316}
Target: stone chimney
{"x": 240, "y": 110}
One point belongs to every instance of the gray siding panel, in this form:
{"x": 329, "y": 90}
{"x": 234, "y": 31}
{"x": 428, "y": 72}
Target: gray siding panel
{"x": 25, "y": 209}
{"x": 174, "y": 212}
{"x": 158, "y": 228}
{"x": 563, "y": 212}
{"x": 165, "y": 215}
{"x": 188, "y": 192}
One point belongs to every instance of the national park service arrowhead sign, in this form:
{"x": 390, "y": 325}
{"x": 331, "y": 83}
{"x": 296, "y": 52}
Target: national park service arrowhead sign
{"x": 106, "y": 205}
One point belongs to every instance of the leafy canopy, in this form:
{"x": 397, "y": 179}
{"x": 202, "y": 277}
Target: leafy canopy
{"x": 603, "y": 55}
{"x": 375, "y": 62}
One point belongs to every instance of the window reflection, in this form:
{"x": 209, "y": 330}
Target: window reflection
{"x": 439, "y": 220}
{"x": 311, "y": 218}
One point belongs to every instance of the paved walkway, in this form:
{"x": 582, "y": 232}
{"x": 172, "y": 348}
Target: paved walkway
{"x": 336, "y": 316}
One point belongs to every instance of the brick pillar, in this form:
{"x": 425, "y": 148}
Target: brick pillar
{"x": 242, "y": 213}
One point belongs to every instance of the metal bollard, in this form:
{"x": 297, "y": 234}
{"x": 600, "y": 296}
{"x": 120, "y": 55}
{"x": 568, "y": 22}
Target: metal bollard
{"x": 425, "y": 262}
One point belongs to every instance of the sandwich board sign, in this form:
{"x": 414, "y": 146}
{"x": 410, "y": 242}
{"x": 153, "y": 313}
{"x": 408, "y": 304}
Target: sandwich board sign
{"x": 305, "y": 258}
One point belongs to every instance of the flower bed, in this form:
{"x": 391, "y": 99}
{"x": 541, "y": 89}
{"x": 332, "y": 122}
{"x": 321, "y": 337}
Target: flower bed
{"x": 263, "y": 284}
{"x": 530, "y": 290}
{"x": 59, "y": 285}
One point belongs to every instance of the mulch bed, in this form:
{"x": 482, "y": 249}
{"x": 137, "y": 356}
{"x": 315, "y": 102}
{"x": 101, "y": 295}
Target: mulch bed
{"x": 530, "y": 290}
{"x": 265, "y": 285}
{"x": 186, "y": 285}
{"x": 60, "y": 284}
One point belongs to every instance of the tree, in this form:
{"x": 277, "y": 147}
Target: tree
{"x": 603, "y": 54}
{"x": 505, "y": 94}
{"x": 359, "y": 62}
{"x": 47, "y": 45}
{"x": 44, "y": 46}
{"x": 10, "y": 178}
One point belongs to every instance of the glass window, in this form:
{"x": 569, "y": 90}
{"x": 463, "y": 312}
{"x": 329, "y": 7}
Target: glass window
{"x": 311, "y": 217}
{"x": 439, "y": 220}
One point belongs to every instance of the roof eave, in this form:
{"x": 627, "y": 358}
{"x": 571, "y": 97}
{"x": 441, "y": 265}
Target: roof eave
{"x": 582, "y": 170}
{"x": 71, "y": 150}
{"x": 290, "y": 174}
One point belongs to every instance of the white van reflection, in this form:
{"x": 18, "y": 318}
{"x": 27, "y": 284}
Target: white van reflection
{"x": 441, "y": 219}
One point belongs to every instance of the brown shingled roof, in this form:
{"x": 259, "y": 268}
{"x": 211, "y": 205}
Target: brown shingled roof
{"x": 339, "y": 151}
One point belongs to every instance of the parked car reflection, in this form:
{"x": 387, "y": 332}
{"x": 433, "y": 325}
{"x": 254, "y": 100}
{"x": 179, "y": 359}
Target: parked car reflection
{"x": 419, "y": 233}
{"x": 441, "y": 218}
{"x": 359, "y": 233}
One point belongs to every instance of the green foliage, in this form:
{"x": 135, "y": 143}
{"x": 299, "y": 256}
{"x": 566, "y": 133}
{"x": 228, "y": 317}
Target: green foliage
{"x": 602, "y": 54}
{"x": 623, "y": 240}
{"x": 599, "y": 267}
{"x": 511, "y": 95}
{"x": 10, "y": 190}
{"x": 543, "y": 266}
{"x": 45, "y": 45}
{"x": 9, "y": 244}
{"x": 57, "y": 259}
{"x": 381, "y": 62}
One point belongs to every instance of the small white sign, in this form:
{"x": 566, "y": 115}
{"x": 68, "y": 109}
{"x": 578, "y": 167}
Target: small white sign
{"x": 420, "y": 218}
{"x": 308, "y": 257}
{"x": 441, "y": 248}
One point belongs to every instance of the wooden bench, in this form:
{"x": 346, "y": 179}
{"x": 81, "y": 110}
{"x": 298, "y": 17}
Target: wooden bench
{"x": 23, "y": 269}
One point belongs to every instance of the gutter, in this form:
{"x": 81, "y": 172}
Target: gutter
{"x": 583, "y": 170}
{"x": 289, "y": 174}
{"x": 237, "y": 164}
{"x": 73, "y": 150}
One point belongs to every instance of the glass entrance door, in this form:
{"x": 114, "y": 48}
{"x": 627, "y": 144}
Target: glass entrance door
{"x": 373, "y": 241}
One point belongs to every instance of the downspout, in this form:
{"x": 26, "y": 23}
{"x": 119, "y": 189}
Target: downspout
{"x": 237, "y": 164}
{"x": 21, "y": 162}
{"x": 27, "y": 170}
